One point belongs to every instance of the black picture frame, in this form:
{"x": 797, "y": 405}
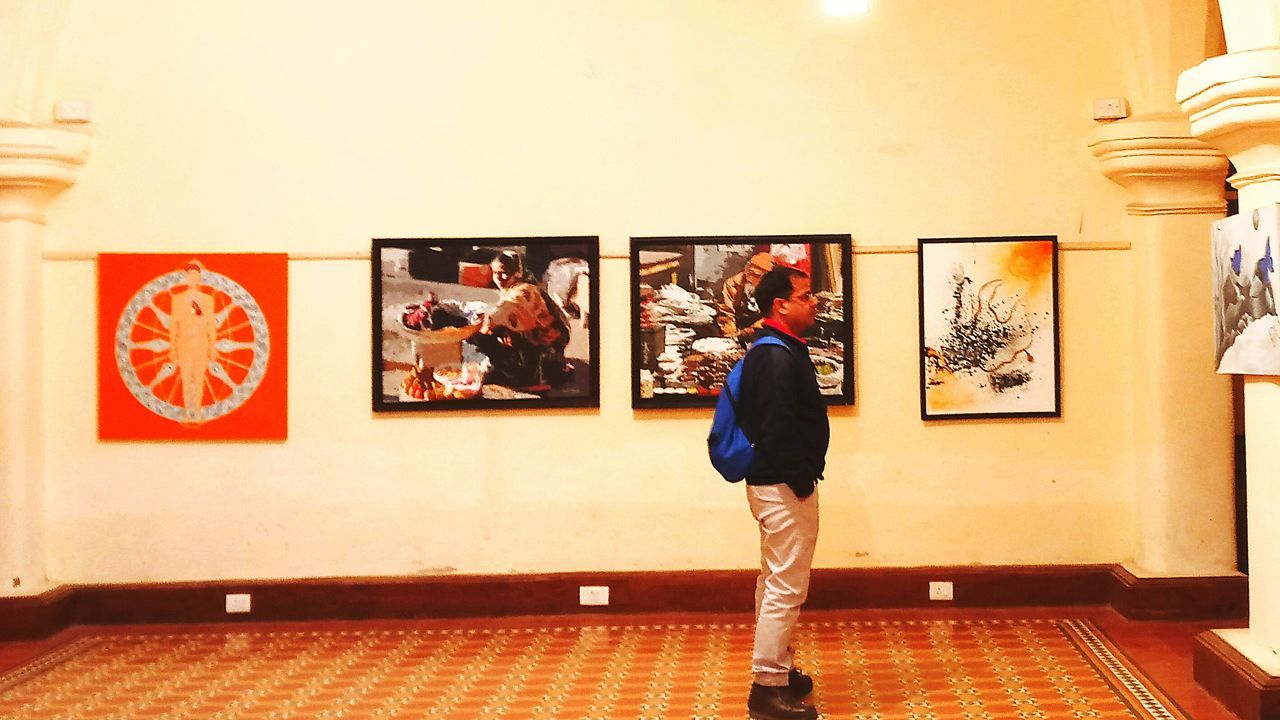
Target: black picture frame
{"x": 532, "y": 345}
{"x": 988, "y": 323}
{"x": 681, "y": 346}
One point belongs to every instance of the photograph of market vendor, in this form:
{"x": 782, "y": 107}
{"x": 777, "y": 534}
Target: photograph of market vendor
{"x": 526, "y": 334}
{"x": 737, "y": 312}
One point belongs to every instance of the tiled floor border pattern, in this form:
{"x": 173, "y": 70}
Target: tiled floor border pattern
{"x": 46, "y": 662}
{"x": 1096, "y": 649}
{"x": 636, "y": 672}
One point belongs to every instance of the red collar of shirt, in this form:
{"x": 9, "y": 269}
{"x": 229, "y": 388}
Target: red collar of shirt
{"x": 771, "y": 323}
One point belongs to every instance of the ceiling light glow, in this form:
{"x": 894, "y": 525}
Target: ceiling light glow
{"x": 846, "y": 7}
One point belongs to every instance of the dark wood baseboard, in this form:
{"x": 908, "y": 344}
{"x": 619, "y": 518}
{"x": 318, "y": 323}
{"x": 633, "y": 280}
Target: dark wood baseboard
{"x": 636, "y": 592}
{"x": 1182, "y": 598}
{"x": 973, "y": 587}
{"x": 38, "y": 616}
{"x": 1243, "y": 687}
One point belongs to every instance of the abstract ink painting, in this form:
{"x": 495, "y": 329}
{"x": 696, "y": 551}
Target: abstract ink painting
{"x": 1246, "y": 327}
{"x": 989, "y": 327}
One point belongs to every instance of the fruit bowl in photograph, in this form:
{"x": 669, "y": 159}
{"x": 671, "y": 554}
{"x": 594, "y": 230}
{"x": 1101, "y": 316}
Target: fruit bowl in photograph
{"x": 461, "y": 380}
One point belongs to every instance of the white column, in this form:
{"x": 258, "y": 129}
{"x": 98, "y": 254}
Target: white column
{"x": 28, "y": 38}
{"x": 1182, "y": 460}
{"x": 1250, "y": 24}
{"x": 35, "y": 165}
{"x": 1234, "y": 104}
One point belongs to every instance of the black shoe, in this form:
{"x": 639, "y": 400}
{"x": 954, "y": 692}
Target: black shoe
{"x": 799, "y": 683}
{"x": 777, "y": 703}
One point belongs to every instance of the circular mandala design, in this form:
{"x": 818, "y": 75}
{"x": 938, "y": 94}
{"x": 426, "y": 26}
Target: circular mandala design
{"x": 237, "y": 360}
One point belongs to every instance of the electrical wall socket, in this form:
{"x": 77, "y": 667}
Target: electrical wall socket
{"x": 72, "y": 111}
{"x": 941, "y": 590}
{"x": 593, "y": 594}
{"x": 239, "y": 603}
{"x": 1112, "y": 108}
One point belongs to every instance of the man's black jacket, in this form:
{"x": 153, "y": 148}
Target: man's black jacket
{"x": 784, "y": 415}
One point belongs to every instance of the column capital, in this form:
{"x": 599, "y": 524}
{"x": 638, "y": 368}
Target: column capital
{"x": 1156, "y": 159}
{"x": 1233, "y": 101}
{"x": 36, "y": 164}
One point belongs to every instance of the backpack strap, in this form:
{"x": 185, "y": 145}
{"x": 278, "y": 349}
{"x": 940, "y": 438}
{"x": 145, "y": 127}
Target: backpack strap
{"x": 766, "y": 340}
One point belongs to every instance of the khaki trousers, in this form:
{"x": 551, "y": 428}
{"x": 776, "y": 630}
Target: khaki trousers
{"x": 788, "y": 535}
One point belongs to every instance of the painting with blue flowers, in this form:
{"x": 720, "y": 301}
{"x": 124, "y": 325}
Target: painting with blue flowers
{"x": 1246, "y": 326}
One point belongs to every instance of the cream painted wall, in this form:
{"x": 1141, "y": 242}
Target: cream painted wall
{"x": 271, "y": 127}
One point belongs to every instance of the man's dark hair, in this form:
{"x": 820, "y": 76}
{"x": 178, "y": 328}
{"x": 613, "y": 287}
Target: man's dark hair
{"x": 775, "y": 284}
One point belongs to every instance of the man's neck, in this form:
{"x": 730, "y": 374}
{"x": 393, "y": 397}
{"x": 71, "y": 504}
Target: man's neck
{"x": 782, "y": 328}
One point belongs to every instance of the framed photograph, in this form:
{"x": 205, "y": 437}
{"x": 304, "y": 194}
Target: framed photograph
{"x": 989, "y": 327}
{"x": 485, "y": 323}
{"x": 1246, "y": 326}
{"x": 693, "y": 312}
{"x": 193, "y": 346}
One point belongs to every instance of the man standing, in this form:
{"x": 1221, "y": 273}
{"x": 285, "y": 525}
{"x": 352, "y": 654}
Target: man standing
{"x": 737, "y": 312}
{"x": 783, "y": 412}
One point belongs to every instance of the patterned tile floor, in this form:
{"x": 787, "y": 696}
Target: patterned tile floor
{"x": 916, "y": 669}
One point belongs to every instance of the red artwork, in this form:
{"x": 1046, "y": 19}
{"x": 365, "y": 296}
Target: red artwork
{"x": 193, "y": 346}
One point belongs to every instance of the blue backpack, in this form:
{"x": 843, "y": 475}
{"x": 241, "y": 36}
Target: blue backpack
{"x": 731, "y": 451}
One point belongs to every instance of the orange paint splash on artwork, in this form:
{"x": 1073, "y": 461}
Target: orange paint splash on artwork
{"x": 1030, "y": 264}
{"x": 949, "y": 395}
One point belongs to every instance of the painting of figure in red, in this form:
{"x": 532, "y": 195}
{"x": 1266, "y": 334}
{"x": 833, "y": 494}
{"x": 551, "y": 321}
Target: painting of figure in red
{"x": 192, "y": 347}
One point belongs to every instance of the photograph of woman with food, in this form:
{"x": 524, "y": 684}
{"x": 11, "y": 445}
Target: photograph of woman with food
{"x": 525, "y": 335}
{"x": 465, "y": 320}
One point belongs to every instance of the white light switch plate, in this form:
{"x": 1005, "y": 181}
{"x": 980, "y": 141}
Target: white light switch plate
{"x": 593, "y": 595}
{"x": 1113, "y": 108}
{"x": 941, "y": 590}
{"x": 72, "y": 111}
{"x": 239, "y": 603}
